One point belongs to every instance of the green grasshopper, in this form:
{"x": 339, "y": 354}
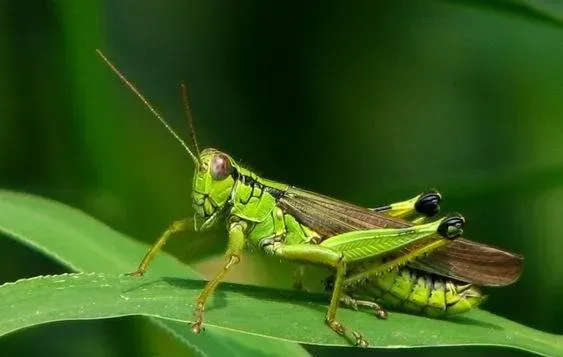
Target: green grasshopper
{"x": 392, "y": 255}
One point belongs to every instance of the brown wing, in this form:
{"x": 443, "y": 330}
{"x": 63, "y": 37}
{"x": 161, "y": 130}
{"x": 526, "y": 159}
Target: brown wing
{"x": 463, "y": 260}
{"x": 472, "y": 262}
{"x": 328, "y": 216}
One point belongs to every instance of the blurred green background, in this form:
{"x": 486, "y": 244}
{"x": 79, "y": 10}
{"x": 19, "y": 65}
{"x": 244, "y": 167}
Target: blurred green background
{"x": 370, "y": 103}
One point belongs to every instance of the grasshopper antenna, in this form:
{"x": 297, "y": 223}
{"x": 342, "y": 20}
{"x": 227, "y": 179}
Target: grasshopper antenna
{"x": 151, "y": 108}
{"x": 189, "y": 115}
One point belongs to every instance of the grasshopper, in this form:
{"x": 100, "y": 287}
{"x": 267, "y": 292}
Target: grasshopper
{"x": 395, "y": 256}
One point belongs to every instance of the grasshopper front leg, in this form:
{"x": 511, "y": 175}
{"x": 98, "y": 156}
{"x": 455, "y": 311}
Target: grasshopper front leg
{"x": 175, "y": 227}
{"x": 233, "y": 255}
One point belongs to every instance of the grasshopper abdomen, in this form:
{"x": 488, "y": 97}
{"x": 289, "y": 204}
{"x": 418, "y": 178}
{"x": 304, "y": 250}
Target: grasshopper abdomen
{"x": 413, "y": 291}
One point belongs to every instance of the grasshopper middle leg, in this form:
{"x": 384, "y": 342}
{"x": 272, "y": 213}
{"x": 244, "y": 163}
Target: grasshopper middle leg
{"x": 449, "y": 228}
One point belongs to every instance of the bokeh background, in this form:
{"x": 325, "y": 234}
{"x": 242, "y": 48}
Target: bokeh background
{"x": 370, "y": 103}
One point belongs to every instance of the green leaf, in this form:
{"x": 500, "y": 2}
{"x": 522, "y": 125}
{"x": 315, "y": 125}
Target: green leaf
{"x": 237, "y": 318}
{"x": 84, "y": 244}
{"x": 285, "y": 315}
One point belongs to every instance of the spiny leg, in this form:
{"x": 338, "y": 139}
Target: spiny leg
{"x": 324, "y": 256}
{"x": 233, "y": 255}
{"x": 175, "y": 227}
{"x": 424, "y": 206}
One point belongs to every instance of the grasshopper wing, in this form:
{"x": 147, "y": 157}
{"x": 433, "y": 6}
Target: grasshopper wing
{"x": 472, "y": 262}
{"x": 462, "y": 259}
{"x": 329, "y": 217}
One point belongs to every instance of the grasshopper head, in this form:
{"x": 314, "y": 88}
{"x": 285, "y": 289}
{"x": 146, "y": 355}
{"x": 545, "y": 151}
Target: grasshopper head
{"x": 214, "y": 180}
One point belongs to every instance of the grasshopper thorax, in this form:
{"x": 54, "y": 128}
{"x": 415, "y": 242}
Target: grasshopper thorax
{"x": 213, "y": 182}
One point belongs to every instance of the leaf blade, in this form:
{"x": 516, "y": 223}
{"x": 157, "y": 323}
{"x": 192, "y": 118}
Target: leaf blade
{"x": 56, "y": 230}
{"x": 241, "y": 308}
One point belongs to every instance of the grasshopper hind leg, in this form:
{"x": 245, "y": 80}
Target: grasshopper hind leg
{"x": 335, "y": 253}
{"x": 425, "y": 205}
{"x": 428, "y": 203}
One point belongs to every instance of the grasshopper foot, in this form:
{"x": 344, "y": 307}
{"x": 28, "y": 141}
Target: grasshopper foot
{"x": 353, "y": 337}
{"x": 452, "y": 226}
{"x": 198, "y": 313}
{"x": 381, "y": 314}
{"x": 137, "y": 273}
{"x": 348, "y": 301}
{"x": 360, "y": 340}
{"x": 196, "y": 327}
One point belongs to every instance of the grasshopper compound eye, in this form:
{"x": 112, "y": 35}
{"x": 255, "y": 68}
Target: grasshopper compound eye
{"x": 220, "y": 167}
